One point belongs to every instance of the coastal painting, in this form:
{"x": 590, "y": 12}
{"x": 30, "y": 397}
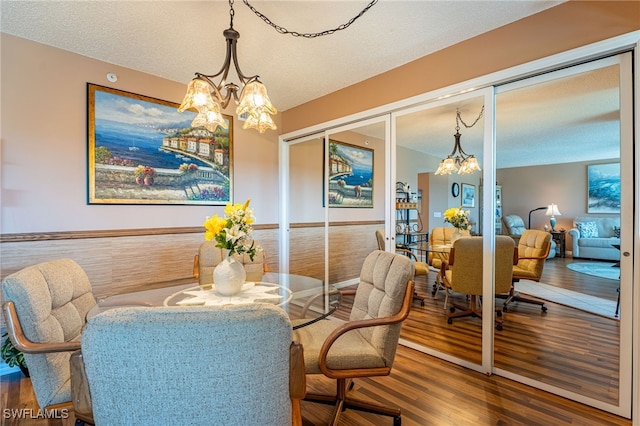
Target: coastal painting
{"x": 350, "y": 175}
{"x": 141, "y": 150}
{"x": 604, "y": 188}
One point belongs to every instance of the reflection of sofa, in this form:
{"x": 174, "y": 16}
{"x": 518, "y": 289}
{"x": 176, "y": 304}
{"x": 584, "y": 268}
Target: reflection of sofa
{"x": 593, "y": 237}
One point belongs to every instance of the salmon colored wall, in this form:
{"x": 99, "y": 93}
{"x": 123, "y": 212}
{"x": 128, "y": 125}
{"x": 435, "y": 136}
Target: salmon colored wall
{"x": 555, "y": 30}
{"x": 44, "y": 171}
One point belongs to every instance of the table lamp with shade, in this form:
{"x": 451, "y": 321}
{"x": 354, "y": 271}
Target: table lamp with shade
{"x": 553, "y": 211}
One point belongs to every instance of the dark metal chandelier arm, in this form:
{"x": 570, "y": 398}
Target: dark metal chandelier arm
{"x": 283, "y": 30}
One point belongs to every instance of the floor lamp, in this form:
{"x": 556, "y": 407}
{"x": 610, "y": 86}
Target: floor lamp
{"x": 534, "y": 210}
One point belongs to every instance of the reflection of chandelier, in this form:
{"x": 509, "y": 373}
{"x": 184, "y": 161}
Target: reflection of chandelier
{"x": 459, "y": 161}
{"x": 208, "y": 98}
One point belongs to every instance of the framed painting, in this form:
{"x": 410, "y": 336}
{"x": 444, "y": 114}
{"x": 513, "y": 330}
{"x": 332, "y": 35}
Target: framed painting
{"x": 141, "y": 150}
{"x": 468, "y": 195}
{"x": 350, "y": 175}
{"x": 604, "y": 188}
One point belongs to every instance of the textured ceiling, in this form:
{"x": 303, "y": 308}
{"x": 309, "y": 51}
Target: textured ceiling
{"x": 573, "y": 119}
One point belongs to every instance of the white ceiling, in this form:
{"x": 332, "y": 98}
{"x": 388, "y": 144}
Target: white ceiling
{"x": 174, "y": 39}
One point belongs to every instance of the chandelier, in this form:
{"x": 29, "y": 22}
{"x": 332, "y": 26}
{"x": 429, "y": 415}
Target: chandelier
{"x": 209, "y": 98}
{"x": 459, "y": 161}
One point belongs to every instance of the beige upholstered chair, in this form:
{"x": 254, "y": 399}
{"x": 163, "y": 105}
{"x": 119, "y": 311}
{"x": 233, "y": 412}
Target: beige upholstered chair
{"x": 421, "y": 268}
{"x": 193, "y": 365}
{"x": 533, "y": 250}
{"x": 45, "y": 309}
{"x": 462, "y": 273}
{"x": 514, "y": 226}
{"x": 209, "y": 256}
{"x": 366, "y": 344}
{"x": 441, "y": 237}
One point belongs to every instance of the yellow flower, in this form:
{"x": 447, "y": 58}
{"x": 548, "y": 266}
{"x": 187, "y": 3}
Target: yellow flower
{"x": 450, "y": 213}
{"x": 213, "y": 226}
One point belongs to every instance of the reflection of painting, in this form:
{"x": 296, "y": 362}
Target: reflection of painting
{"x": 350, "y": 175}
{"x": 468, "y": 195}
{"x": 143, "y": 151}
{"x": 604, "y": 188}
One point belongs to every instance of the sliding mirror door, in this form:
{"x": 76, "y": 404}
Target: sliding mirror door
{"x": 563, "y": 141}
{"x": 303, "y": 232}
{"x": 355, "y": 181}
{"x": 424, "y": 136}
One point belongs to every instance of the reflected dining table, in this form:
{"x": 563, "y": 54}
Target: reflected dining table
{"x": 306, "y": 300}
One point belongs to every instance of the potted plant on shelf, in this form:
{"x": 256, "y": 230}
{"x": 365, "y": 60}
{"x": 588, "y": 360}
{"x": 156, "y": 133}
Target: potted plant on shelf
{"x": 12, "y": 356}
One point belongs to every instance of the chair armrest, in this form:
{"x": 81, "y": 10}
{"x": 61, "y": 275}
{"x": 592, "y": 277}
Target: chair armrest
{"x": 22, "y": 343}
{"x": 297, "y": 382}
{"x": 408, "y": 253}
{"x": 196, "y": 266}
{"x": 352, "y": 325}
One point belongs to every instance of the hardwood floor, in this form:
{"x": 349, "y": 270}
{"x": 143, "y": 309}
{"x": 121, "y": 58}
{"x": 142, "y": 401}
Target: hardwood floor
{"x": 564, "y": 347}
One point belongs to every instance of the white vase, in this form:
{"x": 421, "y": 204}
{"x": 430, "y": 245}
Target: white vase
{"x": 456, "y": 235}
{"x": 229, "y": 276}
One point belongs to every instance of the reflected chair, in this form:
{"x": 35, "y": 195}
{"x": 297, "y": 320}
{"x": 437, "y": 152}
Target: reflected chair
{"x": 462, "y": 273}
{"x": 514, "y": 226}
{"x": 194, "y": 365}
{"x": 209, "y": 256}
{"x": 440, "y": 237}
{"x": 45, "y": 308}
{"x": 533, "y": 250}
{"x": 421, "y": 268}
{"x": 365, "y": 345}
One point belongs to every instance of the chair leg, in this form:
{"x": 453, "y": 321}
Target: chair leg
{"x": 515, "y": 296}
{"x": 342, "y": 402}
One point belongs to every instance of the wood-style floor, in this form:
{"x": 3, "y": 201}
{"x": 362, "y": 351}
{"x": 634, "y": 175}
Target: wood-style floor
{"x": 558, "y": 345}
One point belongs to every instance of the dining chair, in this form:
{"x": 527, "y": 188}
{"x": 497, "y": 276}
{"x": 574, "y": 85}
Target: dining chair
{"x": 514, "y": 227}
{"x": 209, "y": 256}
{"x": 230, "y": 365}
{"x": 462, "y": 273}
{"x": 365, "y": 345}
{"x": 533, "y": 250}
{"x": 420, "y": 268}
{"x": 439, "y": 245}
{"x": 45, "y": 307}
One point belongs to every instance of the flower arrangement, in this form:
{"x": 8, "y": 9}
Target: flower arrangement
{"x": 144, "y": 171}
{"x": 184, "y": 168}
{"x": 458, "y": 218}
{"x": 233, "y": 232}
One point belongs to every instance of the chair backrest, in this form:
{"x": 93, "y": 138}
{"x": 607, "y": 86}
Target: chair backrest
{"x": 189, "y": 365}
{"x": 209, "y": 256}
{"x": 380, "y": 239}
{"x": 513, "y": 224}
{"x": 466, "y": 266}
{"x": 441, "y": 236}
{"x": 533, "y": 243}
{"x": 51, "y": 300}
{"x": 383, "y": 283}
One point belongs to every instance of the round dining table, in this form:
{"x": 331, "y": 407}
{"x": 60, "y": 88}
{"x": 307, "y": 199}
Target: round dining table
{"x": 305, "y": 299}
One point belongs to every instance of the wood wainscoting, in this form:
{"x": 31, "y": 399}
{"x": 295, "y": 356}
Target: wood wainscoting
{"x": 122, "y": 261}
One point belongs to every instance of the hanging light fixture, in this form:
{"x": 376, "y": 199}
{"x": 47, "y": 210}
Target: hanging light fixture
{"x": 459, "y": 161}
{"x": 209, "y": 98}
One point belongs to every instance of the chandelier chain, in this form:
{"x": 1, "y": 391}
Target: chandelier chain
{"x": 459, "y": 117}
{"x": 283, "y": 30}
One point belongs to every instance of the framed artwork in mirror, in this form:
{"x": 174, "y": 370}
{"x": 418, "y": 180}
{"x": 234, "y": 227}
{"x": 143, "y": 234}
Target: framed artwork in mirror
{"x": 468, "y": 195}
{"x": 604, "y": 188}
{"x": 350, "y": 175}
{"x": 141, "y": 150}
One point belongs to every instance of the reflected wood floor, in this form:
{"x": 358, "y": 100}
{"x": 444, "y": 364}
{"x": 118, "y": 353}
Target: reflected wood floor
{"x": 564, "y": 347}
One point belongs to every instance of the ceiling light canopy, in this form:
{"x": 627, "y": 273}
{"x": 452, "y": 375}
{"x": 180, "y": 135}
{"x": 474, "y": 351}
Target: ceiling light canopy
{"x": 209, "y": 98}
{"x": 459, "y": 161}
